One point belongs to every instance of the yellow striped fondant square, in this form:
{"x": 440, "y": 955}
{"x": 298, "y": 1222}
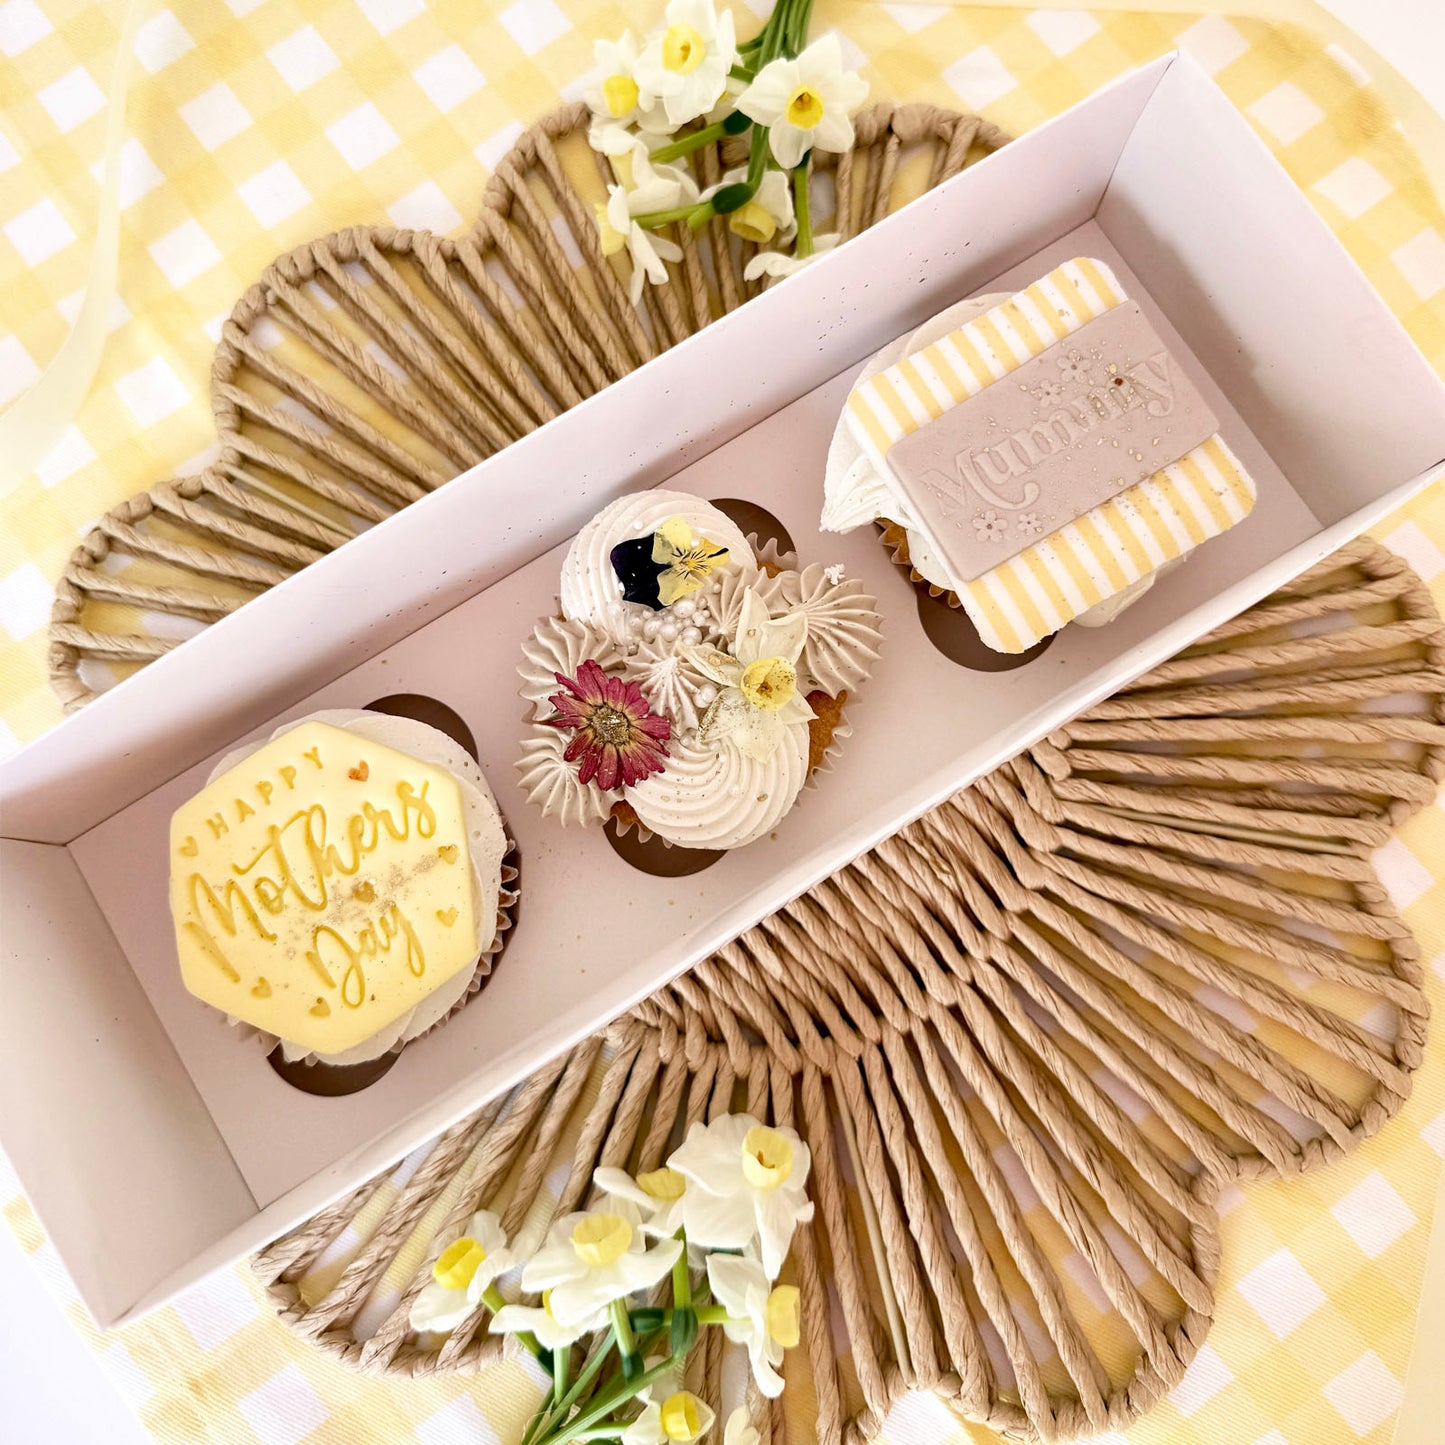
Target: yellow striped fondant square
{"x": 1108, "y": 548}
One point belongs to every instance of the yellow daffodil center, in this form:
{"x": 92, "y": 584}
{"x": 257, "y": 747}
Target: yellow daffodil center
{"x": 620, "y": 93}
{"x": 785, "y": 1315}
{"x": 662, "y": 1184}
{"x": 753, "y": 222}
{"x": 601, "y": 1239}
{"x": 547, "y": 1305}
{"x": 612, "y": 239}
{"x": 804, "y": 108}
{"x": 681, "y": 1419}
{"x": 767, "y": 1157}
{"x": 683, "y": 49}
{"x": 768, "y": 683}
{"x": 458, "y": 1263}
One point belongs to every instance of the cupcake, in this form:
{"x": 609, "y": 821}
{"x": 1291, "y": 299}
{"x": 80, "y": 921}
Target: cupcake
{"x": 1035, "y": 459}
{"x": 341, "y": 887}
{"x": 692, "y": 682}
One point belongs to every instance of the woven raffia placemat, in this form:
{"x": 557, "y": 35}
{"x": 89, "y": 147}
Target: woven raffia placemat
{"x": 1027, "y": 1038}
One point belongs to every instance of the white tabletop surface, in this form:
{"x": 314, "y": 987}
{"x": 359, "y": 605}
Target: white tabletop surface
{"x": 51, "y": 1389}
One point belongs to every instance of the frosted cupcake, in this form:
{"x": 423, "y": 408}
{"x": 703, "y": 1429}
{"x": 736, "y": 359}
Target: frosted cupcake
{"x": 341, "y": 887}
{"x": 1036, "y": 459}
{"x": 693, "y": 681}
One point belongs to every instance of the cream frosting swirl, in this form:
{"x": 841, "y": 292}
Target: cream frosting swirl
{"x": 716, "y": 797}
{"x": 486, "y": 844}
{"x": 591, "y": 591}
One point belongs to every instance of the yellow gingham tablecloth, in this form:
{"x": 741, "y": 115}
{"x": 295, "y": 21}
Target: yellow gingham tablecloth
{"x": 257, "y": 124}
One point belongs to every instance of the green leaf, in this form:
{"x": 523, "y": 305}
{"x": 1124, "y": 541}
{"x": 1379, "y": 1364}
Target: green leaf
{"x": 730, "y": 198}
{"x": 736, "y": 122}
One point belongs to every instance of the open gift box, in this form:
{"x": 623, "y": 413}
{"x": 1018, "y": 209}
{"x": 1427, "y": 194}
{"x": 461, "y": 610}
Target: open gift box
{"x": 155, "y": 1141}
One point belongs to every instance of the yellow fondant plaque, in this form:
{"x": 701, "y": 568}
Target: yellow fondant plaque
{"x": 321, "y": 887}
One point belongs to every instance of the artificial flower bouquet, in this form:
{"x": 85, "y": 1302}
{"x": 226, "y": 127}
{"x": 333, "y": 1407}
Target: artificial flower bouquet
{"x": 690, "y": 85}
{"x": 629, "y": 1285}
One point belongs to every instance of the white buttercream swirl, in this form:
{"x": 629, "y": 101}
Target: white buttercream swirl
{"x": 553, "y": 784}
{"x": 591, "y": 591}
{"x": 486, "y": 843}
{"x": 716, "y": 797}
{"x": 845, "y": 633}
{"x": 671, "y": 682}
{"x": 556, "y": 646}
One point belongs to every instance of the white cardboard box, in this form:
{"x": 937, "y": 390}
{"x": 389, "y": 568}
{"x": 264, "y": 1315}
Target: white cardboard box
{"x": 156, "y": 1144}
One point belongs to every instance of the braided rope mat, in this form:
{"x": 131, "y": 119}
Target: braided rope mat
{"x": 1027, "y": 1037}
{"x": 369, "y": 367}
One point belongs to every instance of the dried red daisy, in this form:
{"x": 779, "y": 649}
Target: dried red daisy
{"x": 617, "y": 736}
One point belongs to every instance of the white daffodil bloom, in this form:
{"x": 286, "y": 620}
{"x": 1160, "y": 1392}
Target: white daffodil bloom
{"x": 759, "y": 698}
{"x": 591, "y": 1259}
{"x": 615, "y": 95}
{"x": 769, "y": 215}
{"x": 763, "y": 1316}
{"x": 666, "y": 1419}
{"x": 465, "y": 1268}
{"x": 745, "y": 1181}
{"x": 657, "y": 1195}
{"x": 806, "y": 102}
{"x": 539, "y": 1322}
{"x": 655, "y": 188}
{"x": 687, "y": 65}
{"x": 775, "y": 265}
{"x": 739, "y": 1430}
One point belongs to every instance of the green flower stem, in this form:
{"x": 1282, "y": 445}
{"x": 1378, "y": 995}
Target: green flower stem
{"x": 695, "y": 216}
{"x": 561, "y": 1361}
{"x": 800, "y": 209}
{"x": 626, "y": 1342}
{"x": 586, "y": 1376}
{"x": 742, "y": 72}
{"x": 758, "y": 156}
{"x": 492, "y": 1298}
{"x": 605, "y": 1403}
{"x": 689, "y": 143}
{"x": 712, "y": 1315}
{"x": 601, "y": 1432}
{"x": 681, "y": 1280}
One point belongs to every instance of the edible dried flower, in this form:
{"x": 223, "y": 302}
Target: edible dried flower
{"x": 616, "y": 737}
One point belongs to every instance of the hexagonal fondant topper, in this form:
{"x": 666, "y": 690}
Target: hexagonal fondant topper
{"x": 322, "y": 887}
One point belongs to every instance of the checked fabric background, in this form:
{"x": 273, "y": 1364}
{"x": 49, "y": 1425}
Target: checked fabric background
{"x": 256, "y": 124}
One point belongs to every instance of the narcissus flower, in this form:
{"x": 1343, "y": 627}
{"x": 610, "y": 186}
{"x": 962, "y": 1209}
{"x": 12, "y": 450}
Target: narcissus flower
{"x": 675, "y": 1417}
{"x": 776, "y": 266}
{"x": 687, "y": 65}
{"x": 759, "y": 679}
{"x": 463, "y": 1271}
{"x": 739, "y": 1430}
{"x": 745, "y": 1181}
{"x": 653, "y": 188}
{"x": 806, "y": 102}
{"x": 769, "y": 215}
{"x": 615, "y": 95}
{"x": 616, "y": 736}
{"x": 657, "y": 1196}
{"x": 763, "y": 1316}
{"x": 544, "y": 1327}
{"x": 591, "y": 1259}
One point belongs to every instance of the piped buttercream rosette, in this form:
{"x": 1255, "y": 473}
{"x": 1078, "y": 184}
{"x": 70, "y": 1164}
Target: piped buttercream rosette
{"x": 691, "y": 684}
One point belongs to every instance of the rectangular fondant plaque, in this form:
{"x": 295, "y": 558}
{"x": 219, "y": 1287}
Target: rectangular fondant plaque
{"x": 1079, "y": 423}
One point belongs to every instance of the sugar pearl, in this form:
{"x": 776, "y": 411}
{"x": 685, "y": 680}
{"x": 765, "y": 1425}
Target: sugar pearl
{"x": 691, "y": 636}
{"x": 706, "y": 694}
{"x": 670, "y": 631}
{"x": 685, "y": 607}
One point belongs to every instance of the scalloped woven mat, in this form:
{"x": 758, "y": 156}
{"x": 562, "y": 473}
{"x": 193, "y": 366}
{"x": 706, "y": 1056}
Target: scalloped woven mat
{"x": 1027, "y": 1038}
